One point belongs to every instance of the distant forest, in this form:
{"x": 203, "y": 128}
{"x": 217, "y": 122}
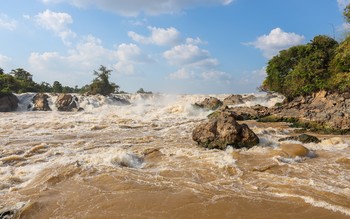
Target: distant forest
{"x": 21, "y": 81}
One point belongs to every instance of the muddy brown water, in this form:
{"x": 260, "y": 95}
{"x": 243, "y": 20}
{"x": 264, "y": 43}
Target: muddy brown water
{"x": 121, "y": 163}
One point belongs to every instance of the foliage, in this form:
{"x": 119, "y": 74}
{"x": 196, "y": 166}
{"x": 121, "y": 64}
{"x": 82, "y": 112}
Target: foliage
{"x": 302, "y": 69}
{"x": 142, "y": 91}
{"x": 346, "y": 13}
{"x": 101, "y": 84}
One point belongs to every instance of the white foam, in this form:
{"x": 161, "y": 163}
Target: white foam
{"x": 317, "y": 203}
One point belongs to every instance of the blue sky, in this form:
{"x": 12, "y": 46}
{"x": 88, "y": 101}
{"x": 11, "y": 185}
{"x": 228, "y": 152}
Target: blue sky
{"x": 170, "y": 46}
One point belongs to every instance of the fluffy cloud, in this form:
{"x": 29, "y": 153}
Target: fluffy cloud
{"x": 188, "y": 54}
{"x": 4, "y": 61}
{"x": 276, "y": 41}
{"x": 129, "y": 55}
{"x": 58, "y": 23}
{"x": 159, "y": 36}
{"x": 135, "y": 7}
{"x": 85, "y": 57}
{"x": 7, "y": 23}
{"x": 194, "y": 63}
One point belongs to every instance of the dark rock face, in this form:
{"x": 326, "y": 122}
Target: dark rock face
{"x": 329, "y": 110}
{"x": 210, "y": 103}
{"x": 222, "y": 131}
{"x": 8, "y": 103}
{"x": 66, "y": 102}
{"x": 121, "y": 101}
{"x": 304, "y": 138}
{"x": 41, "y": 103}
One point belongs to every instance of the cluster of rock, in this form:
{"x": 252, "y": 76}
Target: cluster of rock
{"x": 64, "y": 102}
{"x": 328, "y": 110}
{"x": 223, "y": 130}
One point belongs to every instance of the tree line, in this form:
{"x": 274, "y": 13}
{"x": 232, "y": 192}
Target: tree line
{"x": 21, "y": 81}
{"x": 322, "y": 64}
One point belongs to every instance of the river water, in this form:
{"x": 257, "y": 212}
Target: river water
{"x": 139, "y": 161}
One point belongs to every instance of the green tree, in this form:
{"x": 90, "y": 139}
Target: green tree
{"x": 346, "y": 13}
{"x": 57, "y": 87}
{"x": 101, "y": 84}
{"x": 22, "y": 74}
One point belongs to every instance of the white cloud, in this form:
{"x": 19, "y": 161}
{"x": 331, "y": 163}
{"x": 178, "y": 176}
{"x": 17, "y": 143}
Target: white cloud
{"x": 128, "y": 56}
{"x": 7, "y": 23}
{"x": 159, "y": 36}
{"x": 85, "y": 57}
{"x": 182, "y": 74}
{"x": 136, "y": 7}
{"x": 276, "y": 41}
{"x": 194, "y": 63}
{"x": 58, "y": 23}
{"x": 186, "y": 54}
{"x": 4, "y": 61}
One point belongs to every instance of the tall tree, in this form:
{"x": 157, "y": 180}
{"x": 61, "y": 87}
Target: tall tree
{"x": 101, "y": 84}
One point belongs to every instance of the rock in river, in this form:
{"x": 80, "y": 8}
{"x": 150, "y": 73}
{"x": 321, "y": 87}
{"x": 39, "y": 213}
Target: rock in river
{"x": 222, "y": 131}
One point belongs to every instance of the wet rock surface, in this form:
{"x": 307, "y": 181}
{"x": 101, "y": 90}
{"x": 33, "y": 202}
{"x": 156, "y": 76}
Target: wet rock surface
{"x": 327, "y": 110}
{"x": 210, "y": 103}
{"x": 223, "y": 131}
{"x": 67, "y": 102}
{"x": 41, "y": 102}
{"x": 8, "y": 103}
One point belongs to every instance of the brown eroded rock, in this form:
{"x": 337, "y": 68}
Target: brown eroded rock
{"x": 293, "y": 150}
{"x": 222, "y": 131}
{"x": 40, "y": 102}
{"x": 66, "y": 102}
{"x": 210, "y": 103}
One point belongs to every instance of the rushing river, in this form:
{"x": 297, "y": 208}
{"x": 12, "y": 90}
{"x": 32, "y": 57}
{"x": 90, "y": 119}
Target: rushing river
{"x": 139, "y": 161}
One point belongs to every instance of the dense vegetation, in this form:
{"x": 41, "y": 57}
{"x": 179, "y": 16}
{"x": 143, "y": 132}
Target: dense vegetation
{"x": 322, "y": 64}
{"x": 20, "y": 81}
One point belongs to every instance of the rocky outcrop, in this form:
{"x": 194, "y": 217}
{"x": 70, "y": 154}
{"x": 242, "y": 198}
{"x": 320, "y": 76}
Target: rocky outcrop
{"x": 323, "y": 110}
{"x": 244, "y": 113}
{"x": 233, "y": 99}
{"x": 222, "y": 131}
{"x": 8, "y": 103}
{"x": 122, "y": 101}
{"x": 41, "y": 103}
{"x": 210, "y": 103}
{"x": 303, "y": 138}
{"x": 67, "y": 103}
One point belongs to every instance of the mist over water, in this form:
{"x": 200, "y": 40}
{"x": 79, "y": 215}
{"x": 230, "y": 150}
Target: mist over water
{"x": 139, "y": 160}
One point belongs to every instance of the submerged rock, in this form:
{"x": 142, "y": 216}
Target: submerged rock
{"x": 8, "y": 103}
{"x": 293, "y": 150}
{"x": 210, "y": 103}
{"x": 41, "y": 103}
{"x": 222, "y": 131}
{"x": 303, "y": 138}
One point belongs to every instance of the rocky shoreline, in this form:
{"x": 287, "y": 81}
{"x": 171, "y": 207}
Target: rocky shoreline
{"x": 321, "y": 112}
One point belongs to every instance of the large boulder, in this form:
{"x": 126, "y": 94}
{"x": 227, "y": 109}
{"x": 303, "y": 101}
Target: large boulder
{"x": 233, "y": 99}
{"x": 66, "y": 102}
{"x": 210, "y": 103}
{"x": 8, "y": 103}
{"x": 222, "y": 131}
{"x": 41, "y": 102}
